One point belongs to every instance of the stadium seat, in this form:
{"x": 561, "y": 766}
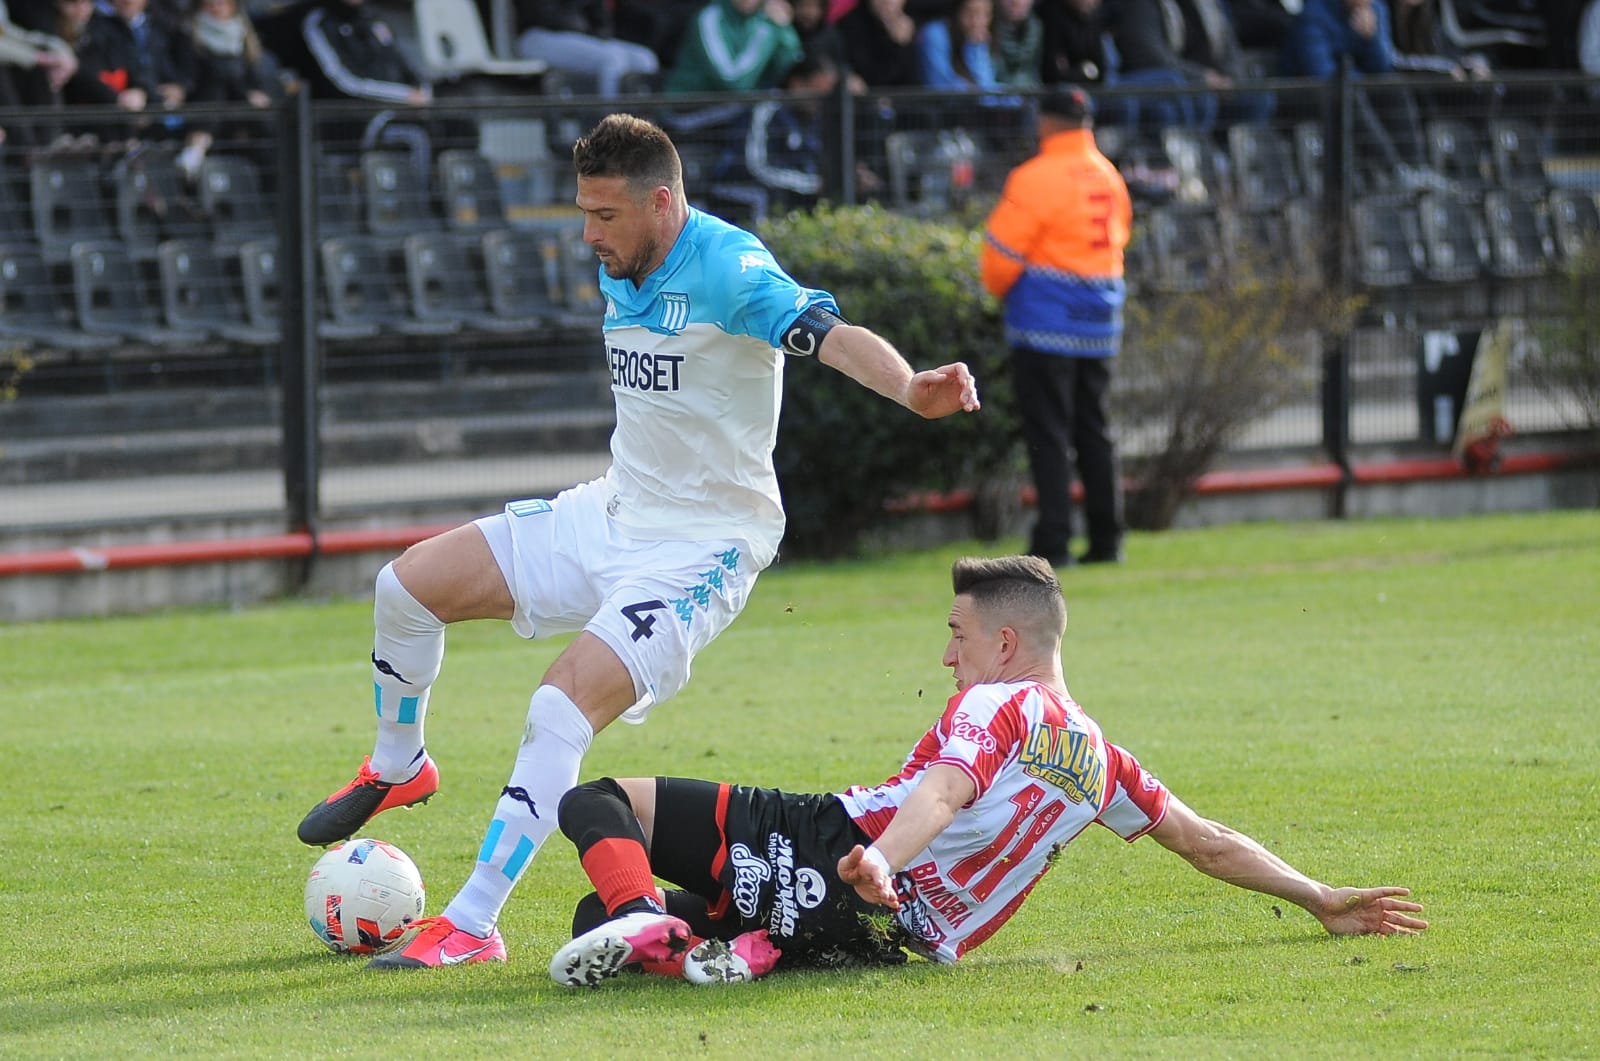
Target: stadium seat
{"x": 233, "y": 198}
{"x": 364, "y": 288}
{"x": 1200, "y": 180}
{"x": 580, "y": 278}
{"x": 1185, "y": 248}
{"x": 34, "y": 308}
{"x": 447, "y": 283}
{"x": 197, "y": 294}
{"x": 470, "y": 192}
{"x": 16, "y": 219}
{"x": 1574, "y": 222}
{"x": 1388, "y": 247}
{"x": 1454, "y": 243}
{"x": 1458, "y": 152}
{"x": 113, "y": 299}
{"x": 68, "y": 206}
{"x": 1520, "y": 244}
{"x": 1263, "y": 167}
{"x": 153, "y": 204}
{"x": 339, "y": 209}
{"x": 396, "y": 194}
{"x": 1310, "y": 154}
{"x": 258, "y": 266}
{"x": 930, "y": 172}
{"x": 453, "y": 43}
{"x": 524, "y": 275}
{"x": 1518, "y": 154}
{"x": 1273, "y": 240}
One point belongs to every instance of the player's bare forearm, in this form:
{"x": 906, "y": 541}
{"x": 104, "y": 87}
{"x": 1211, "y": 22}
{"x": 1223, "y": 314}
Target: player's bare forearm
{"x": 873, "y": 362}
{"x": 1229, "y": 855}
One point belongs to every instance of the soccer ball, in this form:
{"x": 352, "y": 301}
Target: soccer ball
{"x": 361, "y": 895}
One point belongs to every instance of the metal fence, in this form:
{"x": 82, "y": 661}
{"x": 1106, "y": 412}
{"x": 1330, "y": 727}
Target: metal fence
{"x": 345, "y": 309}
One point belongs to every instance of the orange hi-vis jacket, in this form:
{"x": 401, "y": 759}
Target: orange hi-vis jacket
{"x": 1053, "y": 249}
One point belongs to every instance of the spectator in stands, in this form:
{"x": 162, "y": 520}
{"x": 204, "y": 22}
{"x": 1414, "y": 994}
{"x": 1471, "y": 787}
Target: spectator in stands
{"x": 1076, "y": 35}
{"x": 736, "y": 46}
{"x": 1389, "y": 134}
{"x": 1211, "y": 45}
{"x": 132, "y": 50}
{"x": 657, "y": 24}
{"x": 1261, "y": 25}
{"x": 821, "y": 39}
{"x": 37, "y": 65}
{"x": 1147, "y": 57}
{"x": 954, "y": 51}
{"x": 577, "y": 37}
{"x": 344, "y": 51}
{"x": 881, "y": 41}
{"x": 231, "y": 66}
{"x": 1328, "y": 31}
{"x": 1017, "y": 44}
{"x": 1420, "y": 45}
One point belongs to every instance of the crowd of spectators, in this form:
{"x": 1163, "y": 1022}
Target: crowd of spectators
{"x": 151, "y": 57}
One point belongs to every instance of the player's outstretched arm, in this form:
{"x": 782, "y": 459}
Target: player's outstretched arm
{"x": 869, "y": 359}
{"x": 1229, "y": 855}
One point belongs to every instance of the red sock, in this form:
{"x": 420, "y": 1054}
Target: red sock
{"x": 620, "y": 872}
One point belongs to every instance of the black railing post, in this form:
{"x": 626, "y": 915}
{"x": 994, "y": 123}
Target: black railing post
{"x": 297, "y": 189}
{"x": 846, "y": 102}
{"x": 1338, "y": 179}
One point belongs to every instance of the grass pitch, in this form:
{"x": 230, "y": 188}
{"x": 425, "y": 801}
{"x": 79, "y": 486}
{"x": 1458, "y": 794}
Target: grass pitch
{"x": 1408, "y": 703}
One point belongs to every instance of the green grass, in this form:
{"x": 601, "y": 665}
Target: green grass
{"x": 1382, "y": 703}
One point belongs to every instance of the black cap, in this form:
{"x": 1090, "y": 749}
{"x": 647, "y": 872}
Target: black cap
{"x": 1068, "y": 102}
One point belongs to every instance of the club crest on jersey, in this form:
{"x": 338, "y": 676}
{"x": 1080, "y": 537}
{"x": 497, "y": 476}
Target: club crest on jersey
{"x": 674, "y": 312}
{"x": 1067, "y": 759}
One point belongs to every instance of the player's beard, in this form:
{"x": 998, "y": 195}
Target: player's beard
{"x": 635, "y": 268}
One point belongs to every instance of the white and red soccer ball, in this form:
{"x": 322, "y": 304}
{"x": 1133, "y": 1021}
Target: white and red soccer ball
{"x": 362, "y": 895}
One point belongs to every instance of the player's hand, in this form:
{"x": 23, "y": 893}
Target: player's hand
{"x": 868, "y": 879}
{"x": 1370, "y": 911}
{"x": 941, "y": 391}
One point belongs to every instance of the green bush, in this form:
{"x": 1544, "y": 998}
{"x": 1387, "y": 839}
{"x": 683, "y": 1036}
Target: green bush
{"x": 1566, "y": 363}
{"x": 843, "y": 451}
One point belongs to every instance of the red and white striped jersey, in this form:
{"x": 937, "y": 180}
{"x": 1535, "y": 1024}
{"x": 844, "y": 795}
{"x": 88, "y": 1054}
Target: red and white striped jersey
{"x": 1043, "y": 772}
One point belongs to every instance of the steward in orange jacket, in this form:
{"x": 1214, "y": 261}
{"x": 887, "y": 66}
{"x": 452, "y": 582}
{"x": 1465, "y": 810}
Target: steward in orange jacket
{"x": 1053, "y": 247}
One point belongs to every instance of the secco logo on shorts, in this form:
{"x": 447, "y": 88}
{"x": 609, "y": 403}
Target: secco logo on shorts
{"x": 750, "y": 872}
{"x": 643, "y": 371}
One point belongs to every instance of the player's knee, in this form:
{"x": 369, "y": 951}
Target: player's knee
{"x": 583, "y": 804}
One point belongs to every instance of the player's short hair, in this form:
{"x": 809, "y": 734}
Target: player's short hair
{"x": 623, "y": 145}
{"x": 1013, "y": 591}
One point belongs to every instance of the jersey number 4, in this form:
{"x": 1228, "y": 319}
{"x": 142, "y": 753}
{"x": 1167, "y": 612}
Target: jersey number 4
{"x": 639, "y": 615}
{"x": 1002, "y": 856}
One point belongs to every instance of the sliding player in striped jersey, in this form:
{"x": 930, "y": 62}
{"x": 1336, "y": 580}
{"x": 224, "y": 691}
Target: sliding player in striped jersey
{"x": 952, "y": 845}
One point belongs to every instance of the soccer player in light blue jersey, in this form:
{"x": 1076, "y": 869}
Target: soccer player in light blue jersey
{"x": 652, "y": 560}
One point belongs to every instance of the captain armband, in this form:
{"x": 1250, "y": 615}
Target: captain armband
{"x": 804, "y": 336}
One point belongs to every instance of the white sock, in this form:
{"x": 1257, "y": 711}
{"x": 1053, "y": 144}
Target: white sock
{"x": 407, "y": 652}
{"x": 553, "y": 744}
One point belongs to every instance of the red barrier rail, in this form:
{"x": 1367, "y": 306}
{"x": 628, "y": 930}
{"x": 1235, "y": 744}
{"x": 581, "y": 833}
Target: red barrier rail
{"x": 286, "y": 546}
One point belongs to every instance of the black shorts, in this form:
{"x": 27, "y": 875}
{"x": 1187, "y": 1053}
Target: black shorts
{"x": 761, "y": 858}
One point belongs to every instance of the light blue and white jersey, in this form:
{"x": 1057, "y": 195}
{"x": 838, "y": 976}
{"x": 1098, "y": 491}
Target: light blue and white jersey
{"x": 697, "y": 375}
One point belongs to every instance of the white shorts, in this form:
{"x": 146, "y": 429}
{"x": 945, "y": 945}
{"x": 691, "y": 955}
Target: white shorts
{"x": 656, "y": 603}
